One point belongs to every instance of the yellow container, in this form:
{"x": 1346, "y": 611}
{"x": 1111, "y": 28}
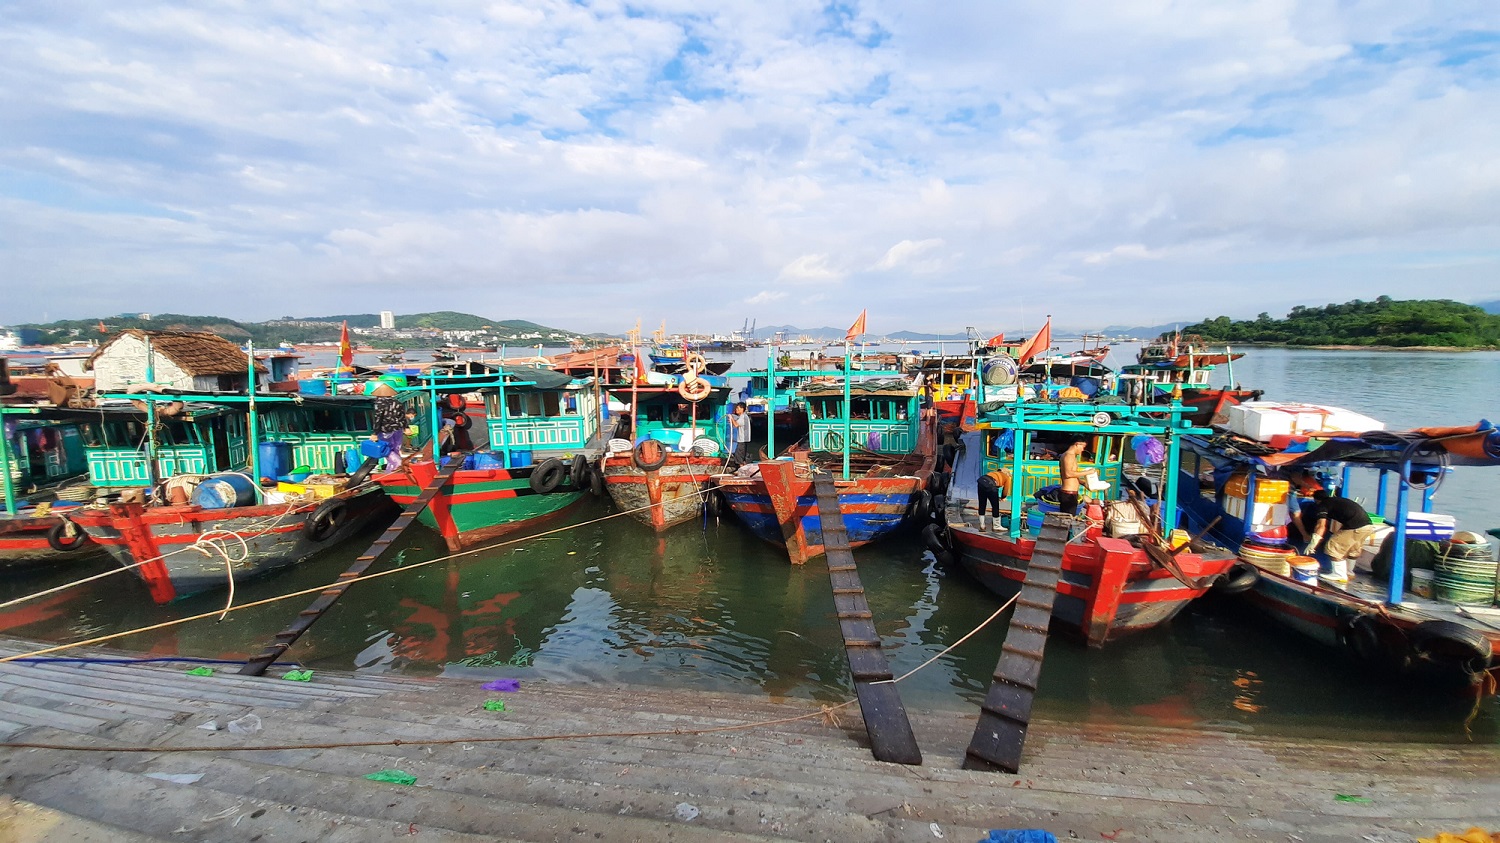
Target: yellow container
{"x": 291, "y": 488}
{"x": 1266, "y": 491}
{"x": 322, "y": 490}
{"x": 1180, "y": 538}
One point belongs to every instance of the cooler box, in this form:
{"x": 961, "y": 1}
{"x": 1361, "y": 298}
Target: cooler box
{"x": 1262, "y": 420}
{"x": 1430, "y": 526}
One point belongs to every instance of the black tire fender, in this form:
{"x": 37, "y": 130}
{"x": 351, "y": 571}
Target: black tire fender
{"x": 642, "y": 458}
{"x": 546, "y": 477}
{"x": 1451, "y": 644}
{"x": 326, "y": 519}
{"x": 65, "y": 536}
{"x": 1240, "y": 578}
{"x": 940, "y": 509}
{"x": 596, "y": 482}
{"x": 919, "y": 506}
{"x": 935, "y": 538}
{"x": 1376, "y": 644}
{"x": 578, "y": 472}
{"x": 363, "y": 472}
{"x": 462, "y": 421}
{"x": 939, "y": 482}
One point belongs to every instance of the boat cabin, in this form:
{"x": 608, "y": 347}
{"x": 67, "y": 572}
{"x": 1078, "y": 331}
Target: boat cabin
{"x": 43, "y": 453}
{"x": 200, "y": 439}
{"x": 541, "y": 411}
{"x": 320, "y": 429}
{"x": 1028, "y": 438}
{"x": 883, "y": 416}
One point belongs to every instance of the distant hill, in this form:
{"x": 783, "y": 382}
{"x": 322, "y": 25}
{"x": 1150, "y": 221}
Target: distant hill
{"x": 1383, "y": 322}
{"x": 300, "y": 329}
{"x": 1489, "y": 306}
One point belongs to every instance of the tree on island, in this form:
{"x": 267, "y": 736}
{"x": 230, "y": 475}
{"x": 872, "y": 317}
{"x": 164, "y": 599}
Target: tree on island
{"x": 1382, "y": 322}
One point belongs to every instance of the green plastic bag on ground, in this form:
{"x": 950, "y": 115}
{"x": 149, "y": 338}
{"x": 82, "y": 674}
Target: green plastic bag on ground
{"x": 392, "y": 777}
{"x": 494, "y": 705}
{"x": 201, "y": 671}
{"x": 298, "y": 675}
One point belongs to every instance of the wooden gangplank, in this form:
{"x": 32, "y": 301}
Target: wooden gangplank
{"x": 891, "y": 737}
{"x": 325, "y": 599}
{"x": 1005, "y": 713}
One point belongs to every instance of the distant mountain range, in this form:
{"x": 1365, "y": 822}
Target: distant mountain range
{"x": 1060, "y": 331}
{"x": 292, "y": 329}
{"x": 1489, "y": 306}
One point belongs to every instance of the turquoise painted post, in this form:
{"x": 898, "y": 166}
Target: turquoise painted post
{"x": 10, "y": 488}
{"x": 151, "y": 468}
{"x": 1020, "y": 444}
{"x": 848, "y": 412}
{"x": 1398, "y": 553}
{"x": 505, "y": 424}
{"x": 1168, "y": 490}
{"x": 771, "y": 400}
{"x": 253, "y": 434}
{"x": 434, "y": 419}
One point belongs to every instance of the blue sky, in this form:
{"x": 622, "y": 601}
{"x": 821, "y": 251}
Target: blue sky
{"x": 585, "y": 164}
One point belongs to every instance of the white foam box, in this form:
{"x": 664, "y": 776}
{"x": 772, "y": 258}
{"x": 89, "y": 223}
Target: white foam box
{"x": 1430, "y": 526}
{"x": 1260, "y": 420}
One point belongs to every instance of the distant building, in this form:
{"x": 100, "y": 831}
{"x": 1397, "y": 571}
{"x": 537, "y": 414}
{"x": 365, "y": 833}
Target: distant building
{"x": 387, "y": 319}
{"x": 200, "y": 362}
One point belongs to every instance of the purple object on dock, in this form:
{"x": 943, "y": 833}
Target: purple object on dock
{"x": 503, "y": 685}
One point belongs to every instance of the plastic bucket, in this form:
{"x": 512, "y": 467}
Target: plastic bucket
{"x": 1421, "y": 582}
{"x": 1304, "y": 569}
{"x": 275, "y": 459}
{"x": 520, "y": 459}
{"x": 224, "y": 491}
{"x": 313, "y": 386}
{"x": 1034, "y": 520}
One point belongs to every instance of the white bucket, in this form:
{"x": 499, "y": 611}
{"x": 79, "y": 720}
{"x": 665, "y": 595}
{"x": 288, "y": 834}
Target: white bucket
{"x": 1305, "y": 572}
{"x": 1421, "y": 582}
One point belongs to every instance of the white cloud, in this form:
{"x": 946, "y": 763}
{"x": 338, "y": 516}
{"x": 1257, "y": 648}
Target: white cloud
{"x": 518, "y": 152}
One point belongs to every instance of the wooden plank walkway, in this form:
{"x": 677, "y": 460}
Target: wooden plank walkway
{"x": 809, "y": 780}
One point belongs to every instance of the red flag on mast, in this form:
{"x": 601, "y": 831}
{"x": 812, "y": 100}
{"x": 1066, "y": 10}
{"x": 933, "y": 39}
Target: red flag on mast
{"x": 102, "y": 329}
{"x": 346, "y": 351}
{"x": 1039, "y": 342}
{"x": 640, "y": 367}
{"x": 996, "y": 341}
{"x": 857, "y": 328}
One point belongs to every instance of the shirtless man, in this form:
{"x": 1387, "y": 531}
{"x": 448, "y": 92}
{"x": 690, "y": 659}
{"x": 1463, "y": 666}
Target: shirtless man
{"x": 1071, "y": 478}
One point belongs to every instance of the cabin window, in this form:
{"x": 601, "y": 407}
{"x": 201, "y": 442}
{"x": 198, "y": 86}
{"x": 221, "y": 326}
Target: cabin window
{"x": 656, "y": 413}
{"x": 523, "y": 405}
{"x": 90, "y": 435}
{"x": 551, "y": 404}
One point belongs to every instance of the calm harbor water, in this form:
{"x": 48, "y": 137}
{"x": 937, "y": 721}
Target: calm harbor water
{"x": 708, "y": 606}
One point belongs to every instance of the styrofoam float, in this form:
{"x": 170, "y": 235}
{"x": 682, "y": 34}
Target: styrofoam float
{"x": 1261, "y": 420}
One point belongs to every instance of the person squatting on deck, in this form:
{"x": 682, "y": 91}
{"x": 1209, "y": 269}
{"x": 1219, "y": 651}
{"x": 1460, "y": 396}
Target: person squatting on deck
{"x": 1349, "y": 522}
{"x": 1072, "y": 477}
{"x": 992, "y": 487}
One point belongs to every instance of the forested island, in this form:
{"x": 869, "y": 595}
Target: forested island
{"x": 1383, "y": 322}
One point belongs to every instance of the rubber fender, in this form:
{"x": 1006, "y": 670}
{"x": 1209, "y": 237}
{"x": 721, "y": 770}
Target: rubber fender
{"x": 546, "y": 477}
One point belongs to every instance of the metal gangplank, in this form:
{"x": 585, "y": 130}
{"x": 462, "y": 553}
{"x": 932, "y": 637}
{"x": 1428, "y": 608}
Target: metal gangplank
{"x": 1005, "y": 714}
{"x": 325, "y": 599}
{"x": 891, "y": 737}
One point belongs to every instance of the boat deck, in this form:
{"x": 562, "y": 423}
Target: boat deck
{"x": 806, "y": 780}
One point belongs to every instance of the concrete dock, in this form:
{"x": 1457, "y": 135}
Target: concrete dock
{"x": 807, "y": 780}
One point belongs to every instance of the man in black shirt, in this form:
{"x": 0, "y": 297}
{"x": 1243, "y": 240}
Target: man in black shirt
{"x": 1345, "y": 522}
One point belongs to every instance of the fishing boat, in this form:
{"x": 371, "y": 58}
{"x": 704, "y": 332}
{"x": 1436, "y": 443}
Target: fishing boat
{"x": 541, "y": 427}
{"x": 661, "y": 457}
{"x": 872, "y": 436}
{"x": 1124, "y": 570}
{"x": 395, "y": 355}
{"x": 1419, "y": 602}
{"x": 1176, "y": 367}
{"x": 188, "y": 516}
{"x": 47, "y": 477}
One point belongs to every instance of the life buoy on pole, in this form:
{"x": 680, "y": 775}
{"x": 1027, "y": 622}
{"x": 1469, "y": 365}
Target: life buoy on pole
{"x": 695, "y": 389}
{"x": 695, "y": 363}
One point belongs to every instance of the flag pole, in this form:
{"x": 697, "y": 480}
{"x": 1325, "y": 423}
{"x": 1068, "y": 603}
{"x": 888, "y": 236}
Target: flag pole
{"x": 848, "y": 411}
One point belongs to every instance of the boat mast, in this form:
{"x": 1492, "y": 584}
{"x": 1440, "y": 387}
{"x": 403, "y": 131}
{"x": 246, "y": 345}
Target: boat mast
{"x": 9, "y": 484}
{"x": 151, "y": 471}
{"x": 770, "y": 400}
{"x": 252, "y": 437}
{"x": 848, "y": 411}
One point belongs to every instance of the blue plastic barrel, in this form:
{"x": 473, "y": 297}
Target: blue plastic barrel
{"x": 352, "y": 460}
{"x": 275, "y": 459}
{"x": 520, "y": 459}
{"x": 483, "y": 461}
{"x": 313, "y": 386}
{"x": 225, "y": 491}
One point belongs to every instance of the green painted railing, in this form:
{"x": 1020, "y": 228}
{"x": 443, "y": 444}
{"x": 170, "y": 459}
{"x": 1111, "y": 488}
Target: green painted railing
{"x": 884, "y": 437}
{"x": 127, "y": 466}
{"x": 536, "y": 434}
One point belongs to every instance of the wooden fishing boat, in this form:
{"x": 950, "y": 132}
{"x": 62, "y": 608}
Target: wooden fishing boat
{"x": 541, "y": 428}
{"x": 674, "y": 443}
{"x": 1179, "y": 368}
{"x": 1115, "y": 581}
{"x": 203, "y": 521}
{"x": 1370, "y": 615}
{"x": 873, "y": 437}
{"x": 47, "y": 477}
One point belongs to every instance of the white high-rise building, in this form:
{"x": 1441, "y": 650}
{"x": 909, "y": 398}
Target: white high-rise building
{"x": 387, "y": 319}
